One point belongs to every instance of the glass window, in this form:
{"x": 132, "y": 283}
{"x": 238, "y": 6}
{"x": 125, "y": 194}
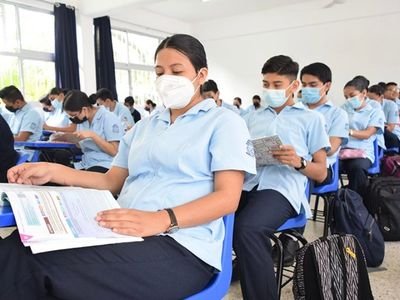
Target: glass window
{"x": 122, "y": 79}
{"x": 38, "y": 78}
{"x": 9, "y": 71}
{"x": 37, "y": 30}
{"x": 143, "y": 88}
{"x": 141, "y": 49}
{"x": 120, "y": 47}
{"x": 8, "y": 28}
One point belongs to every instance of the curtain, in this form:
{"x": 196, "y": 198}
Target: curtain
{"x": 66, "y": 49}
{"x": 105, "y": 68}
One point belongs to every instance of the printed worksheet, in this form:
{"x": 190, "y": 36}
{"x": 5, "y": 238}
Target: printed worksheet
{"x": 262, "y": 150}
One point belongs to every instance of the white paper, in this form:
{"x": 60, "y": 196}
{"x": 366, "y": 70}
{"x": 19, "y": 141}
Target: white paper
{"x": 262, "y": 150}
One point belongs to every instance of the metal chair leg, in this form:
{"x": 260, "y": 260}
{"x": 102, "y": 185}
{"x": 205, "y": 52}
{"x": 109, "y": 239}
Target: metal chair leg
{"x": 315, "y": 208}
{"x": 279, "y": 266}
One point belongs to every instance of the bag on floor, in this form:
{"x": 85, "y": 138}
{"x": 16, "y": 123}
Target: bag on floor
{"x": 382, "y": 198}
{"x": 349, "y": 215}
{"x": 391, "y": 165}
{"x": 333, "y": 267}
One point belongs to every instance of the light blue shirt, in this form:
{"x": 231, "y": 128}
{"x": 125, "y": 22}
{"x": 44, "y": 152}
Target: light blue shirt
{"x": 230, "y": 107}
{"x": 27, "y": 119}
{"x": 375, "y": 105}
{"x": 173, "y": 164}
{"x": 6, "y": 114}
{"x": 298, "y": 126}
{"x": 252, "y": 108}
{"x": 124, "y": 115}
{"x": 106, "y": 125}
{"x": 56, "y": 118}
{"x": 361, "y": 120}
{"x": 391, "y": 111}
{"x": 337, "y": 125}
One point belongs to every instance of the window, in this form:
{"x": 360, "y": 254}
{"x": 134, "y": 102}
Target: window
{"x": 134, "y": 65}
{"x": 27, "y": 49}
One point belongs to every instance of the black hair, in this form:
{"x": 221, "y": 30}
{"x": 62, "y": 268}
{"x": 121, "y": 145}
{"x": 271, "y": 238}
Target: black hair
{"x": 282, "y": 65}
{"x": 319, "y": 70}
{"x": 257, "y": 97}
{"x": 45, "y": 100}
{"x": 390, "y": 84}
{"x": 360, "y": 83}
{"x": 209, "y": 86}
{"x": 130, "y": 100}
{"x": 377, "y": 89}
{"x": 187, "y": 45}
{"x": 150, "y": 102}
{"x": 238, "y": 99}
{"x": 11, "y": 93}
{"x": 75, "y": 100}
{"x": 104, "y": 94}
{"x": 57, "y": 91}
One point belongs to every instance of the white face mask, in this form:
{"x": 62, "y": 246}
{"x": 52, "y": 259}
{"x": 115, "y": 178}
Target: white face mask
{"x": 175, "y": 91}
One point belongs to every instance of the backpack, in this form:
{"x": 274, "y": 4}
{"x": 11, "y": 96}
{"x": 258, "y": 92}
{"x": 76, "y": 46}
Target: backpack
{"x": 382, "y": 198}
{"x": 331, "y": 267}
{"x": 391, "y": 165}
{"x": 349, "y": 215}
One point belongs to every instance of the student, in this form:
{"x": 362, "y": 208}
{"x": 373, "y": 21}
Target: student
{"x": 98, "y": 132}
{"x": 129, "y": 103}
{"x": 391, "y": 91}
{"x": 105, "y": 98}
{"x": 9, "y": 156}
{"x": 237, "y": 101}
{"x": 316, "y": 80}
{"x": 277, "y": 192}
{"x": 256, "y": 104}
{"x": 365, "y": 124}
{"x": 391, "y": 112}
{"x": 26, "y": 122}
{"x": 210, "y": 90}
{"x": 197, "y": 187}
{"x": 151, "y": 107}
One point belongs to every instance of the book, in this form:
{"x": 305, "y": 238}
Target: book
{"x": 55, "y": 218}
{"x": 262, "y": 150}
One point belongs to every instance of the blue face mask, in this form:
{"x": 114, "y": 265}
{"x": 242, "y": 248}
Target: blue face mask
{"x": 56, "y": 104}
{"x": 310, "y": 95}
{"x": 354, "y": 102}
{"x": 275, "y": 98}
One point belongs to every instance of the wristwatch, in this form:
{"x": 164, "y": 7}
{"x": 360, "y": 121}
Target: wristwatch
{"x": 173, "y": 226}
{"x": 303, "y": 164}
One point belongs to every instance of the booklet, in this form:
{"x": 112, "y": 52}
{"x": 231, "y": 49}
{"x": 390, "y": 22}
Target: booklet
{"x": 54, "y": 218}
{"x": 262, "y": 150}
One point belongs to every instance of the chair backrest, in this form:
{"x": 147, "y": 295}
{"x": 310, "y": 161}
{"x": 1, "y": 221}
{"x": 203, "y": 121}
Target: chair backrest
{"x": 375, "y": 167}
{"x": 219, "y": 285}
{"x": 333, "y": 185}
{"x": 22, "y": 158}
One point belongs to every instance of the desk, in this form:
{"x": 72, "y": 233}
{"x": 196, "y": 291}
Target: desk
{"x": 6, "y": 216}
{"x": 44, "y": 145}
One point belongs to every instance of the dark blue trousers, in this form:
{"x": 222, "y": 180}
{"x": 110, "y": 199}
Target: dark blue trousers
{"x": 259, "y": 214}
{"x": 357, "y": 172}
{"x": 158, "y": 268}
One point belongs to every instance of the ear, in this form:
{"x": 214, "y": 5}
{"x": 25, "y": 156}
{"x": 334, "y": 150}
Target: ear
{"x": 295, "y": 86}
{"x": 202, "y": 77}
{"x": 328, "y": 86}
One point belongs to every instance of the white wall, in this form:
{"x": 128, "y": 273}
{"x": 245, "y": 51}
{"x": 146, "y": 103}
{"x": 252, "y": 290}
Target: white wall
{"x": 359, "y": 37}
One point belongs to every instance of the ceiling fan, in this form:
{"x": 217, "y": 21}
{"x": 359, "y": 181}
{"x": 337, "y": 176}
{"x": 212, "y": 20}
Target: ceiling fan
{"x": 333, "y": 3}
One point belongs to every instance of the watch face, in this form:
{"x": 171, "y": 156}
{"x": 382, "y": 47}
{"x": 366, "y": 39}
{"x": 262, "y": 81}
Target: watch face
{"x": 173, "y": 229}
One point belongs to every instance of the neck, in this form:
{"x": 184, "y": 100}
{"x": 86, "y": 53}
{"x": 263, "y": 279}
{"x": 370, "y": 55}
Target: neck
{"x": 113, "y": 105}
{"x": 322, "y": 101}
{"x": 289, "y": 102}
{"x": 92, "y": 113}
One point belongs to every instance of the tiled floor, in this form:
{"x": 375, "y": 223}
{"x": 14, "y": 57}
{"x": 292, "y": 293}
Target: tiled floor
{"x": 385, "y": 280}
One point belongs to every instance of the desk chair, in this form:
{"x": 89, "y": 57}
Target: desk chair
{"x": 288, "y": 227}
{"x": 218, "y": 287}
{"x": 326, "y": 191}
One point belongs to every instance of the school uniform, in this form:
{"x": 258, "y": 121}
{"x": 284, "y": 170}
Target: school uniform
{"x": 168, "y": 266}
{"x": 357, "y": 168}
{"x": 5, "y": 114}
{"x": 274, "y": 195}
{"x": 252, "y": 108}
{"x": 391, "y": 112}
{"x": 135, "y": 114}
{"x": 27, "y": 119}
{"x": 376, "y": 105}
{"x": 230, "y": 107}
{"x": 8, "y": 155}
{"x": 124, "y": 115}
{"x": 106, "y": 125}
{"x": 56, "y": 117}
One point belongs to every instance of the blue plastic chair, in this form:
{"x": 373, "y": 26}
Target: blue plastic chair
{"x": 375, "y": 168}
{"x": 6, "y": 216}
{"x": 289, "y": 227}
{"x": 326, "y": 191}
{"x": 219, "y": 285}
{"x": 22, "y": 158}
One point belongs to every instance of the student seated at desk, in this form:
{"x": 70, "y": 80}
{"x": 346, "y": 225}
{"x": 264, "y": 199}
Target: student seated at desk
{"x": 26, "y": 122}
{"x": 174, "y": 190}
{"x": 278, "y": 192}
{"x": 98, "y": 132}
{"x": 55, "y": 118}
{"x": 104, "y": 97}
{"x": 365, "y": 124}
{"x": 8, "y": 155}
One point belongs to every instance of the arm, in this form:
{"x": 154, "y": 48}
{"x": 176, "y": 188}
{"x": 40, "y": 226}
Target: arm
{"x": 69, "y": 128}
{"x": 363, "y": 134}
{"x": 335, "y": 144}
{"x": 111, "y": 148}
{"x": 390, "y": 127}
{"x": 224, "y": 200}
{"x": 22, "y": 136}
{"x": 41, "y": 173}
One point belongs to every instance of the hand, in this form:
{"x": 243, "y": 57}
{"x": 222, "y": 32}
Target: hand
{"x": 287, "y": 155}
{"x": 86, "y": 134}
{"x": 134, "y": 222}
{"x": 30, "y": 173}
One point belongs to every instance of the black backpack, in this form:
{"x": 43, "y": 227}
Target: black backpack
{"x": 331, "y": 267}
{"x": 382, "y": 199}
{"x": 348, "y": 215}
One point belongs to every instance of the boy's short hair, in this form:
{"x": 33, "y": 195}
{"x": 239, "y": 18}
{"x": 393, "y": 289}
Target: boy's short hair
{"x": 281, "y": 65}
